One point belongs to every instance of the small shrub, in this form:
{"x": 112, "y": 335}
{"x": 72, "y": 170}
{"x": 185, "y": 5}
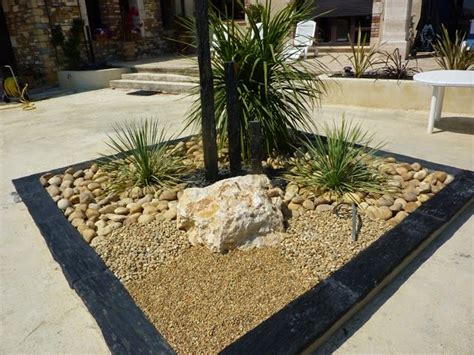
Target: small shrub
{"x": 395, "y": 67}
{"x": 363, "y": 55}
{"x": 142, "y": 157}
{"x": 338, "y": 163}
{"x": 452, "y": 55}
{"x": 71, "y": 45}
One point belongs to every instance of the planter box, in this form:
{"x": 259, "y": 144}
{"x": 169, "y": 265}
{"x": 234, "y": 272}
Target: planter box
{"x": 394, "y": 95}
{"x": 303, "y": 324}
{"x": 83, "y": 80}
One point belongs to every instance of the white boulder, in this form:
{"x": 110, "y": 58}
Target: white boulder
{"x": 231, "y": 213}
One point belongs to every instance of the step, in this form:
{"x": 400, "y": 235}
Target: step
{"x": 176, "y": 78}
{"x": 188, "y": 70}
{"x": 150, "y": 85}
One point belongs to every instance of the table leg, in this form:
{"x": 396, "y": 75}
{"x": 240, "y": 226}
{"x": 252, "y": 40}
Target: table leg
{"x": 439, "y": 103}
{"x": 433, "y": 108}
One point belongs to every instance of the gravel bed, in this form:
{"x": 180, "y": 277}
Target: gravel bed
{"x": 202, "y": 301}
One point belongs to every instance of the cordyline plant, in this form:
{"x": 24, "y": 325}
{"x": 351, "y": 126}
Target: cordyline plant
{"x": 395, "y": 67}
{"x": 338, "y": 163}
{"x": 272, "y": 89}
{"x": 452, "y": 55}
{"x": 142, "y": 157}
{"x": 362, "y": 55}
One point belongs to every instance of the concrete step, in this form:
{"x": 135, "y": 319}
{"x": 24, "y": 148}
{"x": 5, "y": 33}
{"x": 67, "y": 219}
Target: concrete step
{"x": 187, "y": 70}
{"x": 151, "y": 85}
{"x": 168, "y": 77}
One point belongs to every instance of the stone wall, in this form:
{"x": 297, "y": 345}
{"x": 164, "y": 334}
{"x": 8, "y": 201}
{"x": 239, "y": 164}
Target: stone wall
{"x": 30, "y": 22}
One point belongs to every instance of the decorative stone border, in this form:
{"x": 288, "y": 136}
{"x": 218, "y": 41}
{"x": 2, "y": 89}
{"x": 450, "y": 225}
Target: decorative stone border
{"x": 305, "y": 322}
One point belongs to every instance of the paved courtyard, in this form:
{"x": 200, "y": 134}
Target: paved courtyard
{"x": 428, "y": 309}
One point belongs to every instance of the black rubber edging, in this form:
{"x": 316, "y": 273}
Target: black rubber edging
{"x": 296, "y": 326}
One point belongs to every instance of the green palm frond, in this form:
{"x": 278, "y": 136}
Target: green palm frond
{"x": 452, "y": 55}
{"x": 272, "y": 89}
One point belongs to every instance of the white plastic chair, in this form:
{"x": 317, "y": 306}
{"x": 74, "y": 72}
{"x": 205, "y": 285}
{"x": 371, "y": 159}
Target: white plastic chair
{"x": 304, "y": 38}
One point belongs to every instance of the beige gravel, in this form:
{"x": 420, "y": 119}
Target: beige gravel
{"x": 202, "y": 301}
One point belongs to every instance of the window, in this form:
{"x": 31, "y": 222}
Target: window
{"x": 231, "y": 9}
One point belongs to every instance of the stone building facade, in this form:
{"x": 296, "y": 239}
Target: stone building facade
{"x": 30, "y": 24}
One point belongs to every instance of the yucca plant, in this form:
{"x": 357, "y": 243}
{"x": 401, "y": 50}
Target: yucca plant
{"x": 363, "y": 54}
{"x": 395, "y": 67}
{"x": 338, "y": 163}
{"x": 452, "y": 55}
{"x": 142, "y": 157}
{"x": 277, "y": 92}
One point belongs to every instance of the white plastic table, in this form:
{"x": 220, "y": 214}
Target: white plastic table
{"x": 440, "y": 79}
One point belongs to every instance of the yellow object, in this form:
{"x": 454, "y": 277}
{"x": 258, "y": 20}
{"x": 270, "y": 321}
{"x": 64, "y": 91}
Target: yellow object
{"x": 13, "y": 90}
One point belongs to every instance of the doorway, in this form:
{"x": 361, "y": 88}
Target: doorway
{"x": 7, "y": 56}
{"x": 167, "y": 8}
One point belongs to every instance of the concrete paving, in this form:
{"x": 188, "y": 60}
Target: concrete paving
{"x": 429, "y": 309}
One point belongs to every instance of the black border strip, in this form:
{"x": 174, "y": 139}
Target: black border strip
{"x": 292, "y": 329}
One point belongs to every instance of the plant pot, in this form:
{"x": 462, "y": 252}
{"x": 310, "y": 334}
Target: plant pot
{"x": 129, "y": 51}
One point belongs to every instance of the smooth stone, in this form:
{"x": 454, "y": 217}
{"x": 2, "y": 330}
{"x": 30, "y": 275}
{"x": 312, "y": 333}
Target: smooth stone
{"x": 170, "y": 214}
{"x": 86, "y": 197}
{"x": 68, "y": 211}
{"x": 150, "y": 209}
{"x": 104, "y": 231}
{"x": 89, "y": 234}
{"x": 63, "y": 203}
{"x": 53, "y": 190}
{"x": 423, "y": 197}
{"x": 93, "y": 185}
{"x": 383, "y": 213}
{"x": 134, "y": 207}
{"x": 449, "y": 179}
{"x": 78, "y": 174}
{"x": 168, "y": 195}
{"x": 146, "y": 218}
{"x": 55, "y": 180}
{"x": 424, "y": 188}
{"x": 162, "y": 206}
{"x": 324, "y": 207}
{"x": 297, "y": 199}
{"x": 416, "y": 167}
{"x": 275, "y": 192}
{"x": 321, "y": 201}
{"x": 308, "y": 204}
{"x": 410, "y": 196}
{"x": 116, "y": 217}
{"x": 400, "y": 201}
{"x": 68, "y": 192}
{"x": 400, "y": 216}
{"x": 121, "y": 210}
{"x": 115, "y": 225}
{"x": 293, "y": 206}
{"x": 410, "y": 207}
{"x": 420, "y": 175}
{"x": 76, "y": 222}
{"x": 107, "y": 209}
{"x": 396, "y": 207}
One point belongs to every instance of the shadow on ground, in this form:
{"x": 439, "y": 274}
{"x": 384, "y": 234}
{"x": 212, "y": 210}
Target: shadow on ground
{"x": 359, "y": 319}
{"x": 463, "y": 125}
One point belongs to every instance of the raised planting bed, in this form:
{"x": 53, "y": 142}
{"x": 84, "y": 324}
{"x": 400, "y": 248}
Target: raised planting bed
{"x": 89, "y": 79}
{"x": 151, "y": 291}
{"x": 392, "y": 94}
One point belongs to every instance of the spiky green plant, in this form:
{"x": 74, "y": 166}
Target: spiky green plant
{"x": 272, "y": 89}
{"x": 338, "y": 163}
{"x": 142, "y": 157}
{"x": 451, "y": 55}
{"x": 363, "y": 54}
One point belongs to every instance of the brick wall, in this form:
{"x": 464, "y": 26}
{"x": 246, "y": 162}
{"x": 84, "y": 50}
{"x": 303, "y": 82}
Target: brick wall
{"x": 377, "y": 18}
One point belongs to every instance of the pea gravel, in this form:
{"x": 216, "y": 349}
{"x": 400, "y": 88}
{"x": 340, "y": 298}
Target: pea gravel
{"x": 202, "y": 301}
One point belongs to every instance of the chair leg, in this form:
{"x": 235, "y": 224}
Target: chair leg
{"x": 439, "y": 107}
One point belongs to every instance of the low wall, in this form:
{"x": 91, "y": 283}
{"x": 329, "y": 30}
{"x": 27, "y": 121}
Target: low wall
{"x": 395, "y": 94}
{"x": 83, "y": 80}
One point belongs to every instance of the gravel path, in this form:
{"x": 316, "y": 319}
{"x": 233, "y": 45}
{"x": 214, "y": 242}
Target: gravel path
{"x": 202, "y": 301}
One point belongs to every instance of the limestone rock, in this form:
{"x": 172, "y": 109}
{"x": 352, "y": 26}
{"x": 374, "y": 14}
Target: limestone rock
{"x": 231, "y": 213}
